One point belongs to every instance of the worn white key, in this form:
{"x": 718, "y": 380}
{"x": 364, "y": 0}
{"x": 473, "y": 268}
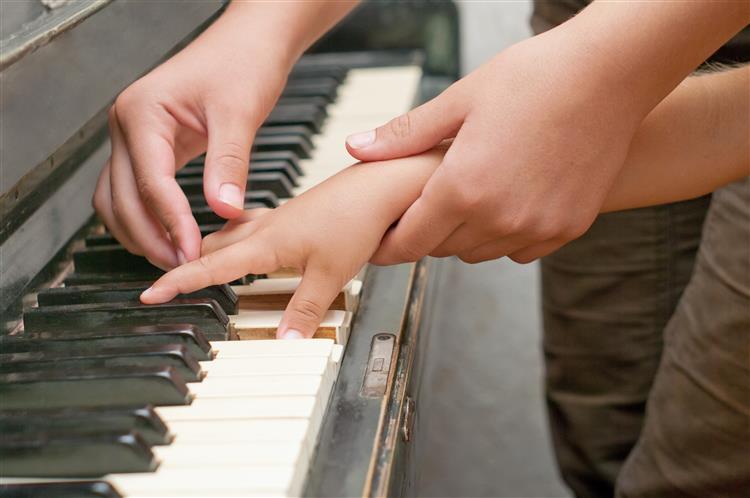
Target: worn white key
{"x": 262, "y": 385}
{"x": 240, "y": 431}
{"x": 274, "y": 294}
{"x": 294, "y": 365}
{"x": 240, "y": 408}
{"x": 247, "y": 480}
{"x": 263, "y": 324}
{"x": 272, "y": 347}
{"x": 182, "y": 454}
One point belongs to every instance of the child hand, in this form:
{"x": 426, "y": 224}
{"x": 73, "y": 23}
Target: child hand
{"x": 328, "y": 234}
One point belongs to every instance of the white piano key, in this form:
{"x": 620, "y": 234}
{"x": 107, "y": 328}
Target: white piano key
{"x": 236, "y": 480}
{"x": 240, "y": 408}
{"x": 272, "y": 347}
{"x": 265, "y": 385}
{"x": 289, "y": 365}
{"x": 263, "y": 324}
{"x": 286, "y": 286}
{"x": 240, "y": 431}
{"x": 182, "y": 455}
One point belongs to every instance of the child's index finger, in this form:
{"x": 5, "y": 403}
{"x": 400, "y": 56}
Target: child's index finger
{"x": 224, "y": 265}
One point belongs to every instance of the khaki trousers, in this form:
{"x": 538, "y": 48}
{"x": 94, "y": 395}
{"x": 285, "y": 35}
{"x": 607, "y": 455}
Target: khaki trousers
{"x": 647, "y": 350}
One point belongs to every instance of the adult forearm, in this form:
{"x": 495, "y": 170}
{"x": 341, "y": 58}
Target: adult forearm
{"x": 282, "y": 29}
{"x": 695, "y": 141}
{"x": 639, "y": 51}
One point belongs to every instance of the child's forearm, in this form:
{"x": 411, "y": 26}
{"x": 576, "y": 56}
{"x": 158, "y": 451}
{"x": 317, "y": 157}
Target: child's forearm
{"x": 695, "y": 141}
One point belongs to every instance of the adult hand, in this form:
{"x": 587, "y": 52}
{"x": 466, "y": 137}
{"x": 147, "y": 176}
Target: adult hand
{"x": 537, "y": 146}
{"x": 542, "y": 130}
{"x": 211, "y": 97}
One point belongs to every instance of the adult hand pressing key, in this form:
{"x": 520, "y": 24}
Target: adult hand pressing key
{"x": 211, "y": 97}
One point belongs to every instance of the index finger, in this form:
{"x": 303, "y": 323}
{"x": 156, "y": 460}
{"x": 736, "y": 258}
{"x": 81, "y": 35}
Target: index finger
{"x": 225, "y": 265}
{"x": 150, "y": 144}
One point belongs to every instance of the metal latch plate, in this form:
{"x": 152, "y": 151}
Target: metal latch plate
{"x": 379, "y": 364}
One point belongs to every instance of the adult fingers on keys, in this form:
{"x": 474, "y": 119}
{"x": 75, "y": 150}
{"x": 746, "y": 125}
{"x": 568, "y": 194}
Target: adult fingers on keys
{"x": 102, "y": 203}
{"x": 230, "y": 137}
{"x": 135, "y": 221}
{"x": 149, "y": 135}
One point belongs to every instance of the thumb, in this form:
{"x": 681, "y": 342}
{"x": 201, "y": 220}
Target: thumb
{"x": 227, "y": 160}
{"x": 416, "y": 131}
{"x": 309, "y": 304}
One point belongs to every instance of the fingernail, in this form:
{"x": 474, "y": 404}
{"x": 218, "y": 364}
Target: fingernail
{"x": 181, "y": 257}
{"x": 147, "y": 293}
{"x": 230, "y": 194}
{"x": 292, "y": 334}
{"x": 360, "y": 140}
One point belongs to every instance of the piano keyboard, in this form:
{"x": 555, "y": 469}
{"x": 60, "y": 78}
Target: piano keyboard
{"x": 103, "y": 396}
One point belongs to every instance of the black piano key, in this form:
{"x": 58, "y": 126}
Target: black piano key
{"x": 274, "y": 182}
{"x": 76, "y": 278}
{"x": 84, "y": 340}
{"x": 323, "y": 86}
{"x": 252, "y": 197}
{"x": 301, "y": 71}
{"x": 88, "y": 421}
{"x": 205, "y": 314}
{"x": 129, "y": 292}
{"x": 59, "y": 455}
{"x": 114, "y": 259}
{"x": 261, "y": 156}
{"x": 280, "y": 155}
{"x": 107, "y": 239}
{"x": 291, "y": 130}
{"x": 133, "y": 355}
{"x": 62, "y": 489}
{"x": 308, "y": 115}
{"x": 322, "y": 102}
{"x": 110, "y": 387}
{"x": 293, "y": 143}
{"x": 204, "y": 215}
{"x": 104, "y": 277}
{"x": 283, "y": 167}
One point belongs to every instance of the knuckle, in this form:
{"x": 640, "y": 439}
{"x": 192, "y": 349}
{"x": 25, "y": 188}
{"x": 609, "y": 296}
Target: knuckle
{"x": 401, "y": 126}
{"x": 233, "y": 157}
{"x": 523, "y": 258}
{"x": 544, "y": 231}
{"x": 127, "y": 99}
{"x": 576, "y": 229}
{"x": 206, "y": 264}
{"x": 408, "y": 254}
{"x": 465, "y": 198}
{"x": 470, "y": 258}
{"x": 98, "y": 201}
{"x": 146, "y": 189}
{"x": 308, "y": 310}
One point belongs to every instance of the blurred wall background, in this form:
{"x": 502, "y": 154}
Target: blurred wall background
{"x": 481, "y": 407}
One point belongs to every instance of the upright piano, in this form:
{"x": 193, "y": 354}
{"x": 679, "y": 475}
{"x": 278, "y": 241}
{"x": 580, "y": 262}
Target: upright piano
{"x": 101, "y": 396}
